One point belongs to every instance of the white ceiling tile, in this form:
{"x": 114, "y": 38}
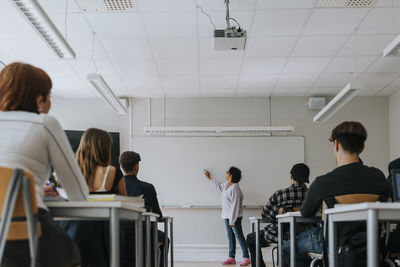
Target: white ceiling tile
{"x": 333, "y": 80}
{"x": 84, "y": 49}
{"x": 51, "y": 6}
{"x": 176, "y": 83}
{"x": 170, "y": 25}
{"x": 233, "y": 5}
{"x": 77, "y": 26}
{"x": 178, "y": 67}
{"x": 334, "y": 21}
{"x": 306, "y": 65}
{"x": 388, "y": 91}
{"x": 285, "y": 4}
{"x": 142, "y": 83}
{"x": 396, "y": 82}
{"x": 184, "y": 93}
{"x": 121, "y": 25}
{"x": 257, "y": 82}
{"x": 318, "y": 45}
{"x": 323, "y": 91}
{"x": 147, "y": 93}
{"x": 116, "y": 85}
{"x": 33, "y": 53}
{"x": 347, "y": 64}
{"x": 207, "y": 50}
{"x": 174, "y": 48}
{"x": 55, "y": 68}
{"x": 269, "y": 47}
{"x": 290, "y": 91}
{"x": 217, "y": 92}
{"x": 166, "y": 6}
{"x": 370, "y": 90}
{"x": 279, "y": 22}
{"x": 206, "y": 29}
{"x": 380, "y": 20}
{"x": 218, "y": 82}
{"x": 135, "y": 67}
{"x": 263, "y": 66}
{"x": 386, "y": 64}
{"x": 387, "y": 3}
{"x": 73, "y": 87}
{"x": 253, "y": 92}
{"x": 127, "y": 49}
{"x": 220, "y": 66}
{"x": 366, "y": 45}
{"x": 377, "y": 79}
{"x": 296, "y": 80}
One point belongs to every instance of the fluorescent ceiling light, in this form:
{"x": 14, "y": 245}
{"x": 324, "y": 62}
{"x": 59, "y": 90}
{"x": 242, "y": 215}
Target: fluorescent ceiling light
{"x": 108, "y": 95}
{"x": 338, "y": 101}
{"x": 217, "y": 131}
{"x": 393, "y": 49}
{"x": 41, "y": 22}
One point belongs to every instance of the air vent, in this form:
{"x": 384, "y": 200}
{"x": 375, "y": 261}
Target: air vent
{"x": 105, "y": 5}
{"x": 345, "y": 3}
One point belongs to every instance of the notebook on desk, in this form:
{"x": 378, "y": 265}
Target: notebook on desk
{"x": 396, "y": 184}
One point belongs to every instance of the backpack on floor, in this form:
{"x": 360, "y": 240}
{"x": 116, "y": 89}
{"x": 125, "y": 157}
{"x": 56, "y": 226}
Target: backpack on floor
{"x": 352, "y": 250}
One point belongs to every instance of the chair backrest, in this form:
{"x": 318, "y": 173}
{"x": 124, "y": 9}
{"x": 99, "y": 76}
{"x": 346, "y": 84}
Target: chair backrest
{"x": 352, "y": 199}
{"x": 5, "y": 178}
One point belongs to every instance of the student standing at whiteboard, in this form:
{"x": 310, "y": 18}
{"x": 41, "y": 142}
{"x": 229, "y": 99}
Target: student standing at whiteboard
{"x": 232, "y": 213}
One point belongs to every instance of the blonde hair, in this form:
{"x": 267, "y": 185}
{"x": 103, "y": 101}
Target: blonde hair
{"x": 94, "y": 150}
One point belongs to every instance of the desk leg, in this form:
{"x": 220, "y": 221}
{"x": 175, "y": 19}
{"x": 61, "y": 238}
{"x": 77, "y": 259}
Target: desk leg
{"x": 114, "y": 237}
{"x": 292, "y": 243}
{"x": 155, "y": 245}
{"x": 257, "y": 243}
{"x": 148, "y": 241}
{"x": 166, "y": 244}
{"x": 372, "y": 238}
{"x": 280, "y": 258}
{"x": 139, "y": 241}
{"x": 252, "y": 227}
{"x": 332, "y": 241}
{"x": 171, "y": 233}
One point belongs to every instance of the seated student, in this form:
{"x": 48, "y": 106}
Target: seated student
{"x": 94, "y": 158}
{"x": 129, "y": 162}
{"x": 395, "y": 164}
{"x": 350, "y": 177}
{"x": 286, "y": 199}
{"x": 394, "y": 239}
{"x": 33, "y": 140}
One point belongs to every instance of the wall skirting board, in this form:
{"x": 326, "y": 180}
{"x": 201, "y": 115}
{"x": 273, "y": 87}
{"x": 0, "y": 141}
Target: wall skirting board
{"x": 210, "y": 253}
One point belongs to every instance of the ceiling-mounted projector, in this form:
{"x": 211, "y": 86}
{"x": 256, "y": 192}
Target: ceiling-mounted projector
{"x": 231, "y": 38}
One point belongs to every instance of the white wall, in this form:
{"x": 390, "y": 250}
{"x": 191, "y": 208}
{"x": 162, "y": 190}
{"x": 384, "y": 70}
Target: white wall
{"x": 81, "y": 114}
{"x": 198, "y": 230}
{"x": 394, "y": 117}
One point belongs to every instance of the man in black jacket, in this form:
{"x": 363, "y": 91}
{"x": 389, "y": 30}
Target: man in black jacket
{"x": 350, "y": 177}
{"x": 129, "y": 162}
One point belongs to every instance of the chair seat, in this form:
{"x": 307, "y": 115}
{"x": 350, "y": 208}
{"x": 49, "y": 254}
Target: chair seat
{"x": 19, "y": 231}
{"x": 314, "y": 255}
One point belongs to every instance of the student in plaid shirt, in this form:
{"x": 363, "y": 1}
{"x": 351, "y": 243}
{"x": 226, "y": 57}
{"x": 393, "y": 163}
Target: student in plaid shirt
{"x": 286, "y": 199}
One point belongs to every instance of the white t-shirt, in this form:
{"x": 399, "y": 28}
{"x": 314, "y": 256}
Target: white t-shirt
{"x": 32, "y": 142}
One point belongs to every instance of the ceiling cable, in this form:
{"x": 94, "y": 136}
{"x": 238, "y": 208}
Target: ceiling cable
{"x": 205, "y": 13}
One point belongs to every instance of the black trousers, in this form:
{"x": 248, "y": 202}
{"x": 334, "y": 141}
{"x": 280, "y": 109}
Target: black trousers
{"x": 55, "y": 247}
{"x": 251, "y": 242}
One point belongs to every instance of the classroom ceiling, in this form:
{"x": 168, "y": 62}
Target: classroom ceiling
{"x": 164, "y": 48}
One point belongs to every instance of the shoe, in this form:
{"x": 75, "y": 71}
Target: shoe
{"x": 245, "y": 262}
{"x": 229, "y": 261}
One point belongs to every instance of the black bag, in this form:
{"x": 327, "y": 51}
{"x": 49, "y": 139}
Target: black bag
{"x": 352, "y": 250}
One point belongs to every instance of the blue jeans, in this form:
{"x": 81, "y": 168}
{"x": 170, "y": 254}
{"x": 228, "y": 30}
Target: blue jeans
{"x": 309, "y": 241}
{"x": 236, "y": 230}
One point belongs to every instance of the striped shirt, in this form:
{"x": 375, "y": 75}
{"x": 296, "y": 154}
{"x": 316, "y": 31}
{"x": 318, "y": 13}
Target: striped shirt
{"x": 287, "y": 198}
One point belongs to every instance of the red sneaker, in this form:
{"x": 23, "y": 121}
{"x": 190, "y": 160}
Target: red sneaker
{"x": 245, "y": 262}
{"x": 229, "y": 261}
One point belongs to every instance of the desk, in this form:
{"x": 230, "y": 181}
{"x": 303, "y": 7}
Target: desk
{"x": 149, "y": 218}
{"x": 168, "y": 223}
{"x": 255, "y": 221}
{"x": 112, "y": 211}
{"x": 292, "y": 218}
{"x": 372, "y": 212}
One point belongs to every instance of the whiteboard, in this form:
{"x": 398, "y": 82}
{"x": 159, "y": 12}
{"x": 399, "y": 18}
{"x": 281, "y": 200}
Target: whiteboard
{"x": 174, "y": 165}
